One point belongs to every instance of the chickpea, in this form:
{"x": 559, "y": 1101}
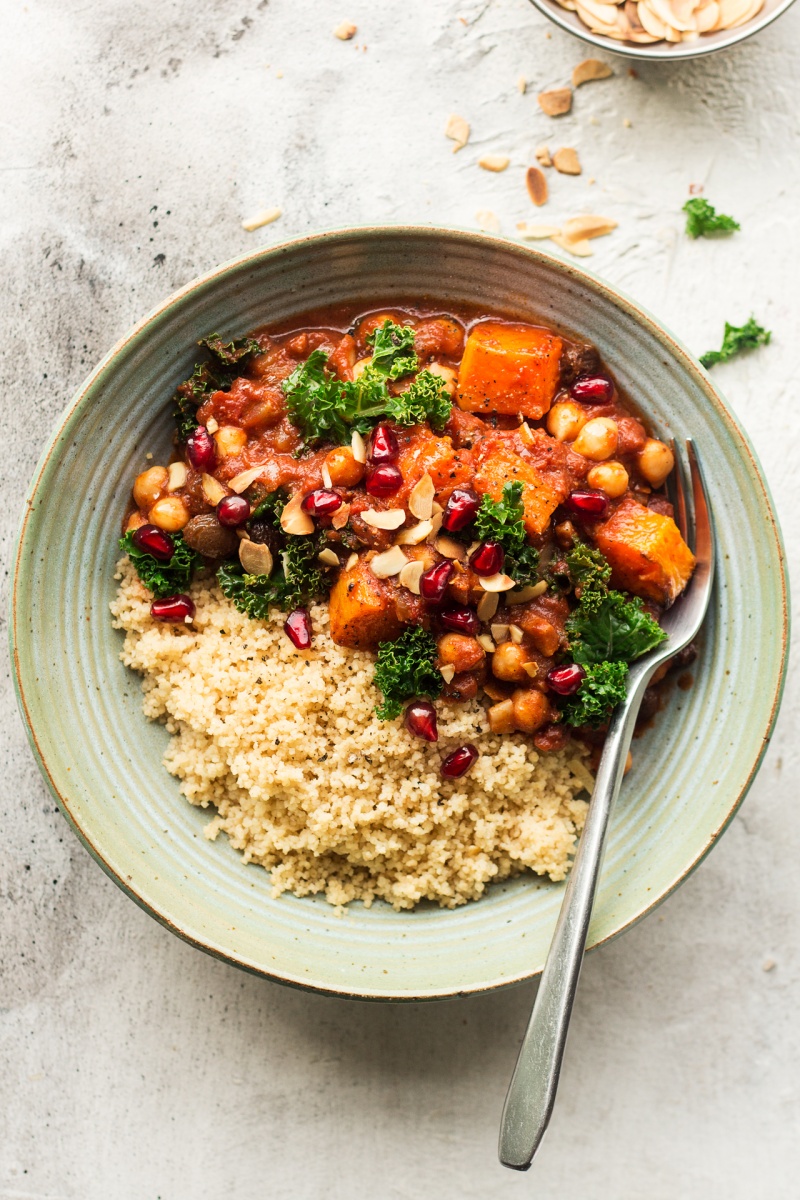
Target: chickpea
{"x": 231, "y": 440}
{"x": 149, "y": 486}
{"x": 501, "y": 717}
{"x": 446, "y": 374}
{"x": 597, "y": 440}
{"x": 566, "y": 420}
{"x": 566, "y": 534}
{"x": 343, "y": 468}
{"x": 460, "y": 651}
{"x": 508, "y": 662}
{"x": 542, "y": 633}
{"x": 360, "y": 367}
{"x": 169, "y": 514}
{"x": 609, "y": 477}
{"x": 135, "y": 521}
{"x": 531, "y": 709}
{"x": 655, "y": 461}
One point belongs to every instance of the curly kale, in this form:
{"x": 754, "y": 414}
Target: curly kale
{"x": 702, "y": 219}
{"x": 589, "y": 573}
{"x": 427, "y": 399}
{"x": 299, "y": 581}
{"x": 615, "y": 629}
{"x": 393, "y": 353}
{"x": 736, "y": 339}
{"x": 208, "y": 377}
{"x": 601, "y": 691}
{"x": 162, "y": 578}
{"x": 406, "y": 668}
{"x": 502, "y": 521}
{"x": 314, "y": 401}
{"x": 232, "y": 353}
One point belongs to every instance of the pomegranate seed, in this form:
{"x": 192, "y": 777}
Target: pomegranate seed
{"x": 586, "y": 503}
{"x": 460, "y": 510}
{"x": 460, "y": 761}
{"x": 297, "y": 628}
{"x": 383, "y": 480}
{"x": 200, "y": 449}
{"x": 488, "y": 559}
{"x": 460, "y": 620}
{"x": 322, "y": 502}
{"x": 172, "y": 608}
{"x": 421, "y": 720}
{"x": 232, "y": 511}
{"x": 383, "y": 445}
{"x": 592, "y": 389}
{"x": 154, "y": 541}
{"x": 433, "y": 582}
{"x": 565, "y": 680}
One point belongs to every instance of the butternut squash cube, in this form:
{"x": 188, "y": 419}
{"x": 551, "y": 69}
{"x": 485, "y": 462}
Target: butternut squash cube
{"x": 540, "y": 495}
{"x": 362, "y": 609}
{"x": 509, "y": 369}
{"x": 647, "y": 554}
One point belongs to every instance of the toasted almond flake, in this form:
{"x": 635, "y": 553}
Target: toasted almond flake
{"x": 487, "y": 220}
{"x": 494, "y": 162}
{"x": 358, "y": 447}
{"x": 326, "y": 476}
{"x": 599, "y": 13}
{"x": 471, "y": 548}
{"x": 243, "y": 535}
{"x": 587, "y": 227}
{"x": 581, "y": 248}
{"x": 589, "y": 69}
{"x": 265, "y": 217}
{"x": 351, "y": 562}
{"x": 177, "y": 476}
{"x": 212, "y": 425}
{"x": 523, "y": 595}
{"x": 536, "y": 185}
{"x": 537, "y": 232}
{"x": 730, "y": 12}
{"x": 409, "y": 577}
{"x": 522, "y": 85}
{"x": 500, "y": 632}
{"x": 420, "y": 501}
{"x": 531, "y": 668}
{"x": 542, "y": 156}
{"x": 437, "y": 507}
{"x": 666, "y": 12}
{"x": 341, "y": 517}
{"x": 486, "y": 643}
{"x": 487, "y": 605}
{"x": 450, "y": 548}
{"x": 457, "y": 129}
{"x": 651, "y": 23}
{"x": 582, "y": 773}
{"x": 389, "y": 563}
{"x": 556, "y": 101}
{"x": 566, "y": 161}
{"x": 414, "y": 535}
{"x": 345, "y": 31}
{"x": 496, "y": 583}
{"x": 516, "y": 634}
{"x": 240, "y": 483}
{"x": 294, "y": 520}
{"x": 383, "y": 518}
{"x": 212, "y": 489}
{"x": 447, "y": 672}
{"x": 329, "y": 557}
{"x": 436, "y": 524}
{"x": 256, "y": 558}
{"x": 526, "y": 434}
{"x": 707, "y": 16}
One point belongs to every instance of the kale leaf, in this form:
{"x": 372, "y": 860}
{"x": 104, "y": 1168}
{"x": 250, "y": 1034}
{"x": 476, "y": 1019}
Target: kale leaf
{"x": 314, "y": 401}
{"x": 589, "y": 573}
{"x": 162, "y": 579}
{"x": 502, "y": 521}
{"x": 601, "y": 691}
{"x": 703, "y": 219}
{"x": 393, "y": 353}
{"x": 299, "y": 581}
{"x": 736, "y": 339}
{"x": 615, "y": 628}
{"x": 211, "y": 377}
{"x": 231, "y": 353}
{"x": 427, "y": 399}
{"x": 406, "y": 668}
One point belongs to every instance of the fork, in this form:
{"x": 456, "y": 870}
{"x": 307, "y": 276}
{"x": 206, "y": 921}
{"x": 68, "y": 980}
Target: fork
{"x": 532, "y": 1091}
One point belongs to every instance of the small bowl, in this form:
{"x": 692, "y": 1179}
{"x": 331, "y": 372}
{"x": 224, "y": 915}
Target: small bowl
{"x": 707, "y": 43}
{"x": 102, "y": 758}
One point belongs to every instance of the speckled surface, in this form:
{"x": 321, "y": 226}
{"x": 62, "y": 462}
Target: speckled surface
{"x": 135, "y": 1068}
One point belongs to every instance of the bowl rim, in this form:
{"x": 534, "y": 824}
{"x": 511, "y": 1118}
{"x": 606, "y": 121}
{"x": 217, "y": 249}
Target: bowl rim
{"x": 458, "y": 235}
{"x": 657, "y": 51}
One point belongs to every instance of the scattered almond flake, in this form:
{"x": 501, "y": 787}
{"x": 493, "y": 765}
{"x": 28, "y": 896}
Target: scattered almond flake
{"x": 326, "y": 476}
{"x": 341, "y": 517}
{"x": 566, "y": 161}
{"x": 358, "y": 447}
{"x": 389, "y": 563}
{"x": 351, "y": 562}
{"x": 414, "y": 535}
{"x": 542, "y": 156}
{"x": 537, "y": 232}
{"x": 256, "y": 558}
{"x": 212, "y": 425}
{"x": 582, "y": 248}
{"x": 536, "y": 185}
{"x": 522, "y": 85}
{"x": 345, "y": 31}
{"x": 487, "y": 221}
{"x": 294, "y": 520}
{"x": 526, "y": 434}
{"x": 626, "y": 121}
{"x": 240, "y": 483}
{"x": 523, "y": 595}
{"x": 471, "y": 548}
{"x": 447, "y": 672}
{"x": 590, "y": 69}
{"x": 329, "y": 557}
{"x": 496, "y": 583}
{"x": 457, "y": 129}
{"x": 591, "y": 179}
{"x": 177, "y": 476}
{"x": 516, "y": 634}
{"x": 420, "y": 501}
{"x": 212, "y": 489}
{"x": 243, "y": 535}
{"x": 437, "y": 508}
{"x": 149, "y": 455}
{"x": 486, "y": 643}
{"x": 531, "y": 668}
{"x": 500, "y": 632}
{"x": 265, "y": 217}
{"x": 768, "y": 964}
{"x": 450, "y": 548}
{"x": 494, "y": 162}
{"x": 555, "y": 102}
{"x": 587, "y": 227}
{"x": 409, "y": 577}
{"x": 487, "y": 605}
{"x": 383, "y": 518}
{"x": 436, "y": 522}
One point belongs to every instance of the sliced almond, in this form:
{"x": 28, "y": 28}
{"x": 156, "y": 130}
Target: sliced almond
{"x": 665, "y": 11}
{"x": 486, "y": 643}
{"x": 487, "y": 220}
{"x": 326, "y": 476}
{"x": 536, "y": 185}
{"x": 556, "y": 101}
{"x": 457, "y": 129}
{"x": 294, "y": 520}
{"x": 542, "y": 156}
{"x": 599, "y": 13}
{"x": 523, "y": 595}
{"x": 389, "y": 563}
{"x": 707, "y": 16}
{"x": 566, "y": 161}
{"x": 240, "y": 483}
{"x": 522, "y": 85}
{"x": 341, "y": 517}
{"x": 730, "y": 13}
{"x": 414, "y": 535}
{"x": 420, "y": 501}
{"x": 358, "y": 447}
{"x": 345, "y": 31}
{"x": 526, "y": 434}
{"x": 588, "y": 70}
{"x": 516, "y": 634}
{"x": 494, "y": 162}
{"x": 409, "y": 577}
{"x": 386, "y": 518}
{"x": 265, "y": 217}
{"x": 447, "y": 672}
{"x": 496, "y": 583}
{"x": 329, "y": 557}
{"x": 537, "y": 232}
{"x": 212, "y": 425}
{"x": 500, "y": 632}
{"x": 651, "y": 23}
{"x": 351, "y": 562}
{"x": 587, "y": 227}
{"x": 436, "y": 523}
{"x": 212, "y": 489}
{"x": 487, "y": 605}
{"x": 176, "y": 476}
{"x": 531, "y": 668}
{"x": 450, "y": 548}
{"x": 256, "y": 558}
{"x": 581, "y": 248}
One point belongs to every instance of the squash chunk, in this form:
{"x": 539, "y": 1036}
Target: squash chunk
{"x": 648, "y": 556}
{"x": 424, "y": 452}
{"x": 362, "y": 609}
{"x": 509, "y": 369}
{"x": 541, "y": 495}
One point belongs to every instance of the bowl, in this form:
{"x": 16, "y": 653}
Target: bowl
{"x": 706, "y": 43}
{"x": 102, "y": 758}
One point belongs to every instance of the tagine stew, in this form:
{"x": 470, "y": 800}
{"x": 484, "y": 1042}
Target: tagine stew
{"x": 473, "y": 497}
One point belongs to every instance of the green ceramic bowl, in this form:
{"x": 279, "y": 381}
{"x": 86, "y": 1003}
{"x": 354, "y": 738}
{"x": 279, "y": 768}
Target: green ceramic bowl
{"x": 102, "y": 759}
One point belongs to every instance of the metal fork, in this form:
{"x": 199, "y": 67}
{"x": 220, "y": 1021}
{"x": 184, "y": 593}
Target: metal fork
{"x": 532, "y": 1091}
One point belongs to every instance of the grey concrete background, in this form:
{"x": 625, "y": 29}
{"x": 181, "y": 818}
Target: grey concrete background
{"x": 135, "y": 138}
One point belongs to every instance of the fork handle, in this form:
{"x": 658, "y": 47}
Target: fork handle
{"x": 532, "y": 1091}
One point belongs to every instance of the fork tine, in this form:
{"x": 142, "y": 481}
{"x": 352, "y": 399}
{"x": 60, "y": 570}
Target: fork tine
{"x": 678, "y": 487}
{"x": 703, "y": 521}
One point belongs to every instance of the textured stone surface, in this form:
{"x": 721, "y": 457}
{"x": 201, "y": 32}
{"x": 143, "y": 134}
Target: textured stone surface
{"x": 135, "y": 138}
